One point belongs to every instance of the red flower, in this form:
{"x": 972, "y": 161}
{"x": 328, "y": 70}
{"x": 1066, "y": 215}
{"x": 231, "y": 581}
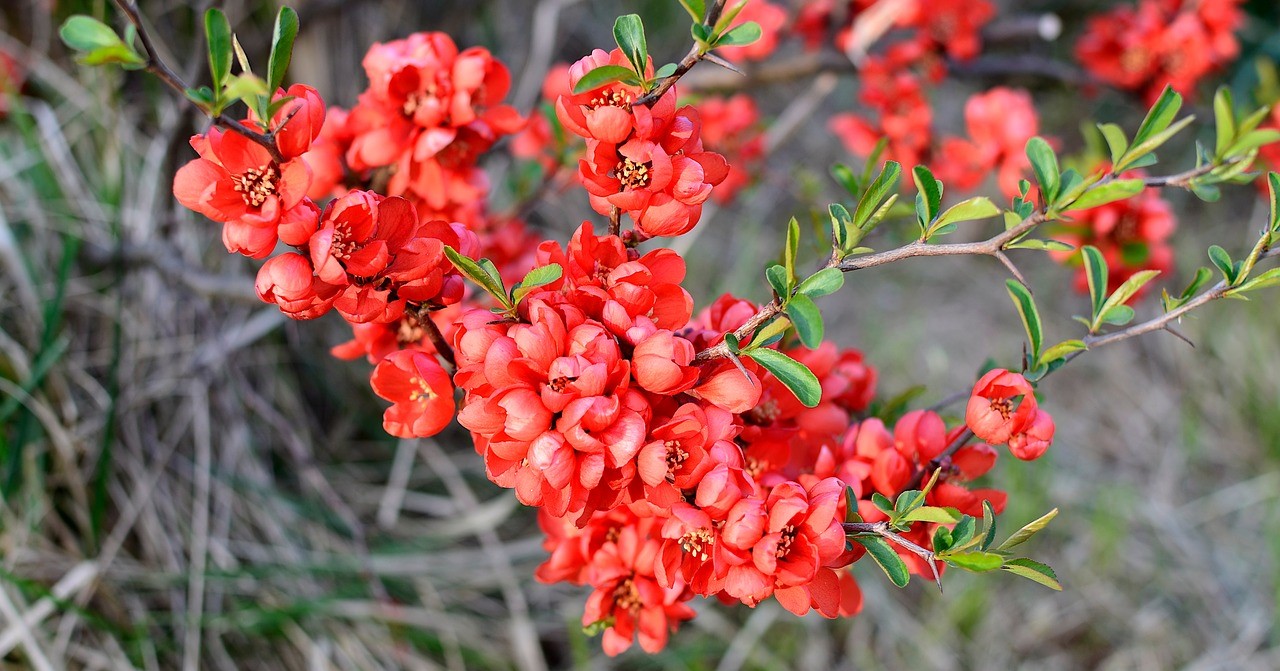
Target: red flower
{"x": 992, "y": 414}
{"x": 289, "y": 281}
{"x": 236, "y": 182}
{"x": 420, "y": 391}
{"x": 1030, "y": 443}
{"x": 297, "y": 124}
{"x": 771, "y": 18}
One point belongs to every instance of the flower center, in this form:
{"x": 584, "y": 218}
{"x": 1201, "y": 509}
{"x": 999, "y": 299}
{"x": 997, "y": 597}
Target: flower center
{"x": 255, "y": 184}
{"x": 632, "y": 175}
{"x": 342, "y": 246}
{"x": 784, "y": 545}
{"x": 558, "y": 385}
{"x": 416, "y": 99}
{"x": 697, "y": 543}
{"x": 423, "y": 393}
{"x": 752, "y": 467}
{"x": 1003, "y": 406}
{"x": 627, "y": 597}
{"x": 611, "y": 99}
{"x": 409, "y": 331}
{"x": 1134, "y": 60}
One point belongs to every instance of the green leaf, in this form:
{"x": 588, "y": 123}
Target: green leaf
{"x": 933, "y": 514}
{"x": 697, "y": 9}
{"x": 1224, "y": 117}
{"x": 217, "y": 30}
{"x": 807, "y": 319}
{"x": 769, "y": 333}
{"x": 731, "y": 342}
{"x": 1160, "y": 116}
{"x": 972, "y": 209}
{"x": 978, "y": 562}
{"x": 1042, "y": 245}
{"x": 1140, "y": 150}
{"x": 1273, "y": 192}
{"x": 1095, "y": 266}
{"x": 1270, "y": 278}
{"x": 119, "y": 54}
{"x": 885, "y": 184}
{"x": 605, "y": 74}
{"x": 1025, "y": 533}
{"x": 1202, "y": 277}
{"x": 1035, "y": 571}
{"x": 942, "y": 540}
{"x": 1116, "y": 142}
{"x": 1222, "y": 261}
{"x": 1125, "y": 291}
{"x": 989, "y": 524}
{"x": 882, "y": 502}
{"x": 777, "y": 276}
{"x": 84, "y": 33}
{"x": 928, "y": 196}
{"x": 850, "y": 505}
{"x": 1118, "y": 315}
{"x": 963, "y": 530}
{"x": 242, "y": 87}
{"x": 628, "y": 32}
{"x": 1252, "y": 140}
{"x": 478, "y": 274}
{"x": 1026, "y": 305}
{"x": 824, "y": 282}
{"x": 1110, "y": 192}
{"x": 1045, "y": 165}
{"x": 1209, "y": 193}
{"x": 845, "y": 178}
{"x": 792, "y": 250}
{"x": 843, "y": 232}
{"x": 791, "y": 373}
{"x": 1071, "y": 186}
{"x": 1062, "y": 349}
{"x": 908, "y": 501}
{"x": 538, "y": 277}
{"x": 282, "y": 37}
{"x": 666, "y": 71}
{"x": 747, "y": 33}
{"x": 888, "y": 560}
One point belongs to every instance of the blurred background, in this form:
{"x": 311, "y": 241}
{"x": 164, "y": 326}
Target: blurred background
{"x": 189, "y": 480}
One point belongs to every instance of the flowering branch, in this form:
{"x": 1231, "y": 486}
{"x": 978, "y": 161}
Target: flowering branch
{"x": 696, "y": 53}
{"x": 160, "y": 69}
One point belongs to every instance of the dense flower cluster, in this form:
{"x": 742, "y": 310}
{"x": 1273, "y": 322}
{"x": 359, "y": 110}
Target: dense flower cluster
{"x": 1157, "y": 42}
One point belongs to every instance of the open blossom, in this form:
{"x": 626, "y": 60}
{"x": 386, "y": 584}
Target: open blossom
{"x": 289, "y": 281}
{"x": 1035, "y": 439}
{"x": 420, "y": 391}
{"x": 237, "y": 182}
{"x": 1002, "y": 405}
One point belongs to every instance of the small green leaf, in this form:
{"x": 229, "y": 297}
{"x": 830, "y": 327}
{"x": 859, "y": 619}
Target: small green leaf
{"x": 843, "y": 232}
{"x": 1209, "y": 193}
{"x": 807, "y": 319}
{"x": 942, "y": 540}
{"x": 1140, "y": 150}
{"x": 1116, "y": 142}
{"x": 243, "y": 87}
{"x": 1071, "y": 186}
{"x": 791, "y": 251}
{"x": 1110, "y": 192}
{"x": 538, "y": 277}
{"x": 697, "y": 9}
{"x": 1042, "y": 245}
{"x": 963, "y": 531}
{"x": 1202, "y": 277}
{"x": 1125, "y": 291}
{"x": 1222, "y": 261}
{"x": 84, "y": 33}
{"x": 119, "y": 54}
{"x": 1095, "y": 266}
{"x": 1034, "y": 571}
{"x": 882, "y": 502}
{"x": 908, "y": 501}
{"x": 972, "y": 209}
{"x": 1118, "y": 315}
{"x": 989, "y": 524}
{"x": 747, "y": 33}
{"x": 605, "y": 74}
{"x": 282, "y": 37}
{"x": 850, "y": 505}
{"x": 978, "y": 562}
{"x": 777, "y": 276}
{"x": 888, "y": 560}
{"x": 1026, "y": 305}
{"x": 1273, "y": 192}
{"x": 1062, "y": 349}
{"x": 1252, "y": 140}
{"x": 731, "y": 342}
{"x": 477, "y": 273}
{"x": 824, "y": 282}
{"x": 928, "y": 196}
{"x": 933, "y": 514}
{"x": 666, "y": 71}
{"x": 769, "y": 333}
{"x": 845, "y": 178}
{"x": 1045, "y": 165}
{"x": 1025, "y": 533}
{"x": 884, "y": 185}
{"x": 1270, "y": 278}
{"x": 1224, "y": 117}
{"x": 791, "y": 373}
{"x": 217, "y": 30}
{"x": 1160, "y": 116}
{"x": 628, "y": 32}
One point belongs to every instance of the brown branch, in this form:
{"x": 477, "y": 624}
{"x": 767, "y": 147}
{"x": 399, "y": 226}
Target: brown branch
{"x": 438, "y": 341}
{"x": 695, "y": 55}
{"x": 161, "y": 70}
{"x": 883, "y": 530}
{"x": 993, "y": 247}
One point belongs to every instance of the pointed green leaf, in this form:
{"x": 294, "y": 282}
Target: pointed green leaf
{"x": 1070, "y": 187}
{"x": 628, "y": 32}
{"x": 807, "y": 318}
{"x": 769, "y": 333}
{"x": 972, "y": 209}
{"x": 666, "y": 71}
{"x": 792, "y": 250}
{"x": 1252, "y": 140}
{"x": 477, "y": 273}
{"x": 942, "y": 540}
{"x": 824, "y": 282}
{"x": 605, "y": 74}
{"x": 928, "y": 196}
{"x": 978, "y": 562}
{"x": 1273, "y": 192}
{"x": 1116, "y": 142}
{"x": 1202, "y": 277}
{"x": 1139, "y": 152}
{"x": 1159, "y": 116}
{"x": 538, "y": 277}
{"x": 747, "y": 33}
{"x": 843, "y": 232}
{"x": 1025, "y": 533}
{"x": 1222, "y": 260}
{"x": 1030, "y": 315}
{"x": 885, "y": 184}
{"x": 84, "y": 33}
{"x": 1270, "y": 278}
{"x": 1125, "y": 291}
{"x": 850, "y": 505}
{"x": 1118, "y": 315}
{"x": 1062, "y": 349}
{"x": 989, "y": 524}
{"x": 282, "y": 37}
{"x": 1095, "y": 266}
{"x": 1042, "y": 245}
{"x": 697, "y": 9}
{"x": 1110, "y": 192}
{"x": 933, "y": 515}
{"x": 1224, "y": 117}
{"x": 1035, "y": 571}
{"x": 845, "y": 178}
{"x": 1045, "y": 165}
{"x": 885, "y": 557}
{"x": 777, "y": 276}
{"x": 243, "y": 87}
{"x": 882, "y": 502}
{"x": 791, "y": 373}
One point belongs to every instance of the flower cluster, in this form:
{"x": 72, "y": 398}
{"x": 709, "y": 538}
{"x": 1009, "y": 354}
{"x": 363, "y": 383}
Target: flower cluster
{"x": 1157, "y": 42}
{"x": 645, "y": 162}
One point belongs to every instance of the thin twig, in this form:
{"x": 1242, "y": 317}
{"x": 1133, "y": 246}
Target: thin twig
{"x": 696, "y": 54}
{"x": 883, "y": 530}
{"x": 438, "y": 340}
{"x": 160, "y": 69}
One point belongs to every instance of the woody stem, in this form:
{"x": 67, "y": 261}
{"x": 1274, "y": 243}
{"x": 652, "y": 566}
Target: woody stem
{"x": 696, "y": 54}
